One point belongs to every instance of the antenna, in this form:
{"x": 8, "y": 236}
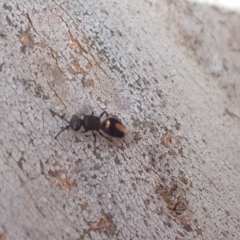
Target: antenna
{"x": 62, "y": 131}
{"x": 62, "y": 117}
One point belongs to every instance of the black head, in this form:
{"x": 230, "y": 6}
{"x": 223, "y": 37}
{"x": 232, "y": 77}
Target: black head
{"x": 75, "y": 123}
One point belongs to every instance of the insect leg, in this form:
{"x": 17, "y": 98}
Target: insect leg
{"x": 105, "y": 136}
{"x": 103, "y": 114}
{"x": 94, "y": 138}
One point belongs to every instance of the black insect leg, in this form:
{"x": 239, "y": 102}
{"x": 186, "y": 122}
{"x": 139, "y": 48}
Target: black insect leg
{"x": 103, "y": 114}
{"x": 95, "y": 138}
{"x": 94, "y": 135}
{"x": 105, "y": 137}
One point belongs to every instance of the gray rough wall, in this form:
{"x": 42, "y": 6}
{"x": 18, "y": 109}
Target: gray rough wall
{"x": 170, "y": 70}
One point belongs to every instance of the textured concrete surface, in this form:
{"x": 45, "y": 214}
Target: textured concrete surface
{"x": 230, "y": 5}
{"x": 169, "y": 70}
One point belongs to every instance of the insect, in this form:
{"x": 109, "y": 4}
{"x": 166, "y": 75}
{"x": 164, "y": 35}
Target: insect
{"x": 110, "y": 126}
